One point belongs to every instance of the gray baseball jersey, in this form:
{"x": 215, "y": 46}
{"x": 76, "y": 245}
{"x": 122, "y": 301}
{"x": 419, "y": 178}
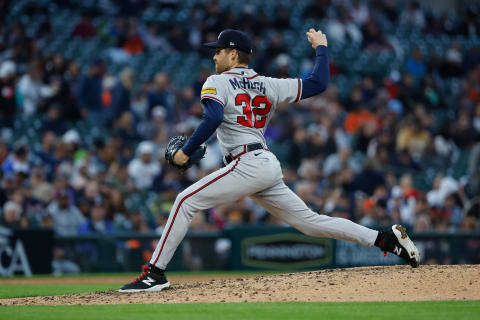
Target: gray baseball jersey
{"x": 249, "y": 102}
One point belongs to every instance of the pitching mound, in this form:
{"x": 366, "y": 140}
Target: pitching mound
{"x": 397, "y": 283}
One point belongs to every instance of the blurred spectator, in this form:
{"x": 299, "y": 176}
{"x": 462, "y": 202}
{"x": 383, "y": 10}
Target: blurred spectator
{"x": 41, "y": 189}
{"x": 153, "y": 38}
{"x": 18, "y": 161}
{"x": 8, "y": 187}
{"x": 414, "y": 138}
{"x": 47, "y": 153}
{"x": 90, "y": 93}
{"x": 337, "y": 161}
{"x": 474, "y": 169}
{"x": 360, "y": 12}
{"x": 423, "y": 223}
{"x": 133, "y": 43}
{"x": 415, "y": 65}
{"x": 157, "y": 128}
{"x": 144, "y": 168}
{"x": 124, "y": 128}
{"x": 413, "y": 15}
{"x": 7, "y": 93}
{"x": 408, "y": 189}
{"x": 72, "y": 139}
{"x": 54, "y": 122}
{"x": 409, "y": 91}
{"x": 160, "y": 95}
{"x": 12, "y": 216}
{"x": 368, "y": 179}
{"x": 298, "y": 148}
{"x": 116, "y": 205}
{"x": 453, "y": 64}
{"x": 178, "y": 39}
{"x": 365, "y": 134}
{"x": 33, "y": 91}
{"x": 66, "y": 217}
{"x": 469, "y": 224}
{"x": 56, "y": 77}
{"x": 359, "y": 118}
{"x": 120, "y": 95}
{"x": 470, "y": 25}
{"x": 462, "y": 131}
{"x": 98, "y": 221}
{"x": 3, "y": 151}
{"x": 442, "y": 188}
{"x": 139, "y": 222}
{"x": 373, "y": 38}
{"x": 85, "y": 28}
{"x": 108, "y": 83}
{"x": 343, "y": 28}
{"x": 71, "y": 109}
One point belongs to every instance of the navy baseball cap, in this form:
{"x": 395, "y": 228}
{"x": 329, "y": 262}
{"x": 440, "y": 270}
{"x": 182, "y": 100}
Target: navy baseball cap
{"x": 233, "y": 39}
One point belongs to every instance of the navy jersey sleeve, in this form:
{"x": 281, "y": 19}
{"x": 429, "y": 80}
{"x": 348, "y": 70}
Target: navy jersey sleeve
{"x": 317, "y": 82}
{"x": 211, "y": 119}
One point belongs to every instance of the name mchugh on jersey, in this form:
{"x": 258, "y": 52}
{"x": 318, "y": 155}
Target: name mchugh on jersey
{"x": 247, "y": 84}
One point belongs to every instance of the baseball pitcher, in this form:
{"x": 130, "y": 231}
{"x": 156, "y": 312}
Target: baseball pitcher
{"x": 238, "y": 104}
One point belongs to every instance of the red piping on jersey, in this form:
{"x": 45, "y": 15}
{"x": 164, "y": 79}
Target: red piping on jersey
{"x": 223, "y": 104}
{"x": 299, "y": 90}
{"x": 185, "y": 198}
{"x": 249, "y": 78}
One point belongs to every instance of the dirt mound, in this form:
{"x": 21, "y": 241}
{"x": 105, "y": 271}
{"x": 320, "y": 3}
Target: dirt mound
{"x": 175, "y": 279}
{"x": 397, "y": 283}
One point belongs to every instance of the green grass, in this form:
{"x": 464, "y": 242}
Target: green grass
{"x": 169, "y": 273}
{"x": 33, "y": 290}
{"x": 435, "y": 310}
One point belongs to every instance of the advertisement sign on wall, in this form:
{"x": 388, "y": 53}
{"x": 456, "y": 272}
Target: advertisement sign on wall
{"x": 25, "y": 252}
{"x": 285, "y": 251}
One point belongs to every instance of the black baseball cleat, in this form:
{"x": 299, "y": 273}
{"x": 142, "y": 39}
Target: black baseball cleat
{"x": 397, "y": 242}
{"x": 148, "y": 281}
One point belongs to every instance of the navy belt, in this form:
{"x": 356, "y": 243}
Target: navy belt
{"x": 246, "y": 148}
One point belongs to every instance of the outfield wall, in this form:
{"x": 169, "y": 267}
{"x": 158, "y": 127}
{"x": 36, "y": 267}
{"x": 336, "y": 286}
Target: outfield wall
{"x": 241, "y": 248}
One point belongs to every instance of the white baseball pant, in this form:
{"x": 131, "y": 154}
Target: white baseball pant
{"x": 256, "y": 174}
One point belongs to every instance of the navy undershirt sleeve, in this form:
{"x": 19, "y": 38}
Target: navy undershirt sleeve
{"x": 211, "y": 119}
{"x": 317, "y": 82}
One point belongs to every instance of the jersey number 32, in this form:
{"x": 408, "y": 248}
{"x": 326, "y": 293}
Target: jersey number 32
{"x": 253, "y": 117}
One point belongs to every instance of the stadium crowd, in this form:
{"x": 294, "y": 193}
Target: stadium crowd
{"x": 81, "y": 147}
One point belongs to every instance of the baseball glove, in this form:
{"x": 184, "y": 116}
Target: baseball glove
{"x": 175, "y": 144}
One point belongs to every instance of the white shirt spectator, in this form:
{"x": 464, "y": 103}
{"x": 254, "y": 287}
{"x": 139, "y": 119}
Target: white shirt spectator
{"x": 453, "y": 54}
{"x": 407, "y": 211}
{"x": 32, "y": 92}
{"x": 437, "y": 196}
{"x": 338, "y": 31}
{"x": 144, "y": 168}
{"x": 359, "y": 12}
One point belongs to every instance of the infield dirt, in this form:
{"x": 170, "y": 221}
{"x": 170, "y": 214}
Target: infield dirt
{"x": 386, "y": 283}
